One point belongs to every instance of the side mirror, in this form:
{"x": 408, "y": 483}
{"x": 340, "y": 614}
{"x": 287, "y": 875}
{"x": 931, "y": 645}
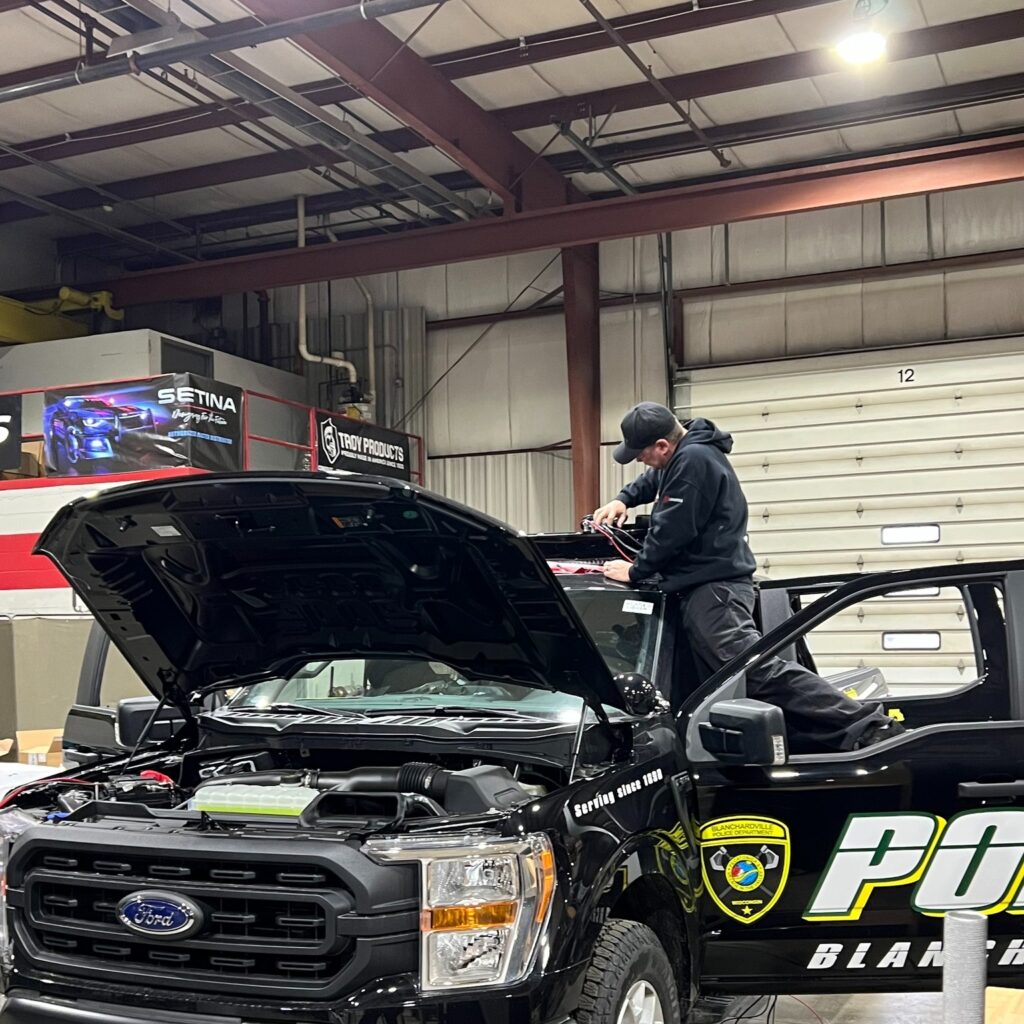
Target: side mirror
{"x": 639, "y": 694}
{"x": 133, "y": 714}
{"x": 745, "y": 731}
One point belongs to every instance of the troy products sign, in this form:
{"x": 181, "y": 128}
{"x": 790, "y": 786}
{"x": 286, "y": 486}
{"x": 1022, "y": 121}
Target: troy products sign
{"x": 10, "y": 431}
{"x": 973, "y": 862}
{"x": 356, "y": 447}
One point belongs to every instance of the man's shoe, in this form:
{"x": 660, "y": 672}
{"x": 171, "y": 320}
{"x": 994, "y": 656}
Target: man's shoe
{"x": 877, "y": 733}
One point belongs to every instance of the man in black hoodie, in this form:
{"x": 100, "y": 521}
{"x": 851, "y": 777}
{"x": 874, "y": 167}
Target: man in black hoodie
{"x": 697, "y": 545}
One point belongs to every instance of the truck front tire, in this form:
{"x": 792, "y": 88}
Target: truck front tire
{"x": 630, "y": 979}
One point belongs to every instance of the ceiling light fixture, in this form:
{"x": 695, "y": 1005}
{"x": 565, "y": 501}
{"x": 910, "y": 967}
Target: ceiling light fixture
{"x": 864, "y": 45}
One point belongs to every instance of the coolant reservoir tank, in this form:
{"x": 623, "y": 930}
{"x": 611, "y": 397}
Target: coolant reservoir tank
{"x": 287, "y": 801}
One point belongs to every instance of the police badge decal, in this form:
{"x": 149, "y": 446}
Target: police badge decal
{"x": 745, "y": 864}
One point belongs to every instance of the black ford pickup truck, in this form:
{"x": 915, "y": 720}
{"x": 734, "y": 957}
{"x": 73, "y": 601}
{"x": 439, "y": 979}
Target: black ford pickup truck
{"x": 405, "y": 773}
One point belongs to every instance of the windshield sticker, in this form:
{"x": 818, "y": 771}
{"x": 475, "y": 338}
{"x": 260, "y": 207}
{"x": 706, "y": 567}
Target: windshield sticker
{"x": 638, "y": 607}
{"x": 973, "y": 862}
{"x": 167, "y": 531}
{"x": 745, "y": 863}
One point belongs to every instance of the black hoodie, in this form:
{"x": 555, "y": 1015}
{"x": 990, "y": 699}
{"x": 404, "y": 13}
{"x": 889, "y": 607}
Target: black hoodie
{"x": 699, "y": 516}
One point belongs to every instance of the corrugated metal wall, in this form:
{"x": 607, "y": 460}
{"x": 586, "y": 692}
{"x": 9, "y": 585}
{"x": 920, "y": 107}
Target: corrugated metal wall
{"x": 529, "y": 490}
{"x": 798, "y": 321}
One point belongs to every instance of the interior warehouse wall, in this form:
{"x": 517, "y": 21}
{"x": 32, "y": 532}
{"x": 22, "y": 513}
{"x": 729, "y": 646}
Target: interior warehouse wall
{"x": 40, "y": 660}
{"x": 496, "y": 426}
{"x": 491, "y": 423}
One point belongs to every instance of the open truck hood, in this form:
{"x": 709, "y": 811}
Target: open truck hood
{"x": 244, "y": 576}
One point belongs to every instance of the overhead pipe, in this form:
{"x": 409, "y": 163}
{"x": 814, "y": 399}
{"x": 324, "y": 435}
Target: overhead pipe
{"x": 266, "y": 348}
{"x": 320, "y": 125}
{"x": 133, "y": 64}
{"x": 310, "y": 357}
{"x": 371, "y": 349}
{"x": 371, "y": 337}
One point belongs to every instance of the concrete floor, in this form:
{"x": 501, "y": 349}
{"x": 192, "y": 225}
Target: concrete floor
{"x": 874, "y": 1009}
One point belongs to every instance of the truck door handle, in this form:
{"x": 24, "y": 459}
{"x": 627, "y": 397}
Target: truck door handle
{"x": 982, "y": 790}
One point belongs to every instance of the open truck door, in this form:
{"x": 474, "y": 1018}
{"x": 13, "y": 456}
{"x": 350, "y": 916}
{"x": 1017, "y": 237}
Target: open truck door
{"x": 837, "y": 869}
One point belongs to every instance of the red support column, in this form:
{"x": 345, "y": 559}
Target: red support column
{"x": 580, "y": 275}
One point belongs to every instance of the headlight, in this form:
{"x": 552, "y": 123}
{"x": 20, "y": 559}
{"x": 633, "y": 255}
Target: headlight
{"x": 93, "y": 421}
{"x": 485, "y": 902}
{"x": 12, "y": 823}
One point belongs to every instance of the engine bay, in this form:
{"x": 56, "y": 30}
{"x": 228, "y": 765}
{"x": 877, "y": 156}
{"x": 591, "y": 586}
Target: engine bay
{"x": 290, "y": 787}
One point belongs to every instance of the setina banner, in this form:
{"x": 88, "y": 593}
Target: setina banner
{"x": 351, "y": 446}
{"x": 10, "y": 432}
{"x": 173, "y": 421}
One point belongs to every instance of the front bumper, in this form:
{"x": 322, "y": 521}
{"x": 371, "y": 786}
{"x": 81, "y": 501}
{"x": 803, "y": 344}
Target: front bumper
{"x": 33, "y": 1009}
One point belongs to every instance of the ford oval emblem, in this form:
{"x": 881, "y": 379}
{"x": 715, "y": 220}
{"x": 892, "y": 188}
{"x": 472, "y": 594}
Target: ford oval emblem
{"x": 159, "y": 915}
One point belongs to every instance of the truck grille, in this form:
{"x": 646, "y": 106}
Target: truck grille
{"x": 271, "y": 927}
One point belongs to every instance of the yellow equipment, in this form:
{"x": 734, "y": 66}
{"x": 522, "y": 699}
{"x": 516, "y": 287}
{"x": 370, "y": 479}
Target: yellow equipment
{"x": 24, "y": 322}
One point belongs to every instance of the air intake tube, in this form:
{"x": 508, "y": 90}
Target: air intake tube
{"x": 470, "y": 791}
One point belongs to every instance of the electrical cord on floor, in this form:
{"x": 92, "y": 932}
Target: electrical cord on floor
{"x": 755, "y": 1009}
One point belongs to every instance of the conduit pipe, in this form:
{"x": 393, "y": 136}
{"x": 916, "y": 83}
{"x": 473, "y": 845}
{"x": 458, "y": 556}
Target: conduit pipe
{"x": 136, "y": 63}
{"x": 309, "y": 357}
{"x": 371, "y": 338}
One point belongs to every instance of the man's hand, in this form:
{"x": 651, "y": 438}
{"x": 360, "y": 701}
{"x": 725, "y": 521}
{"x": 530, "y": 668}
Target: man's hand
{"x": 618, "y": 570}
{"x": 613, "y": 513}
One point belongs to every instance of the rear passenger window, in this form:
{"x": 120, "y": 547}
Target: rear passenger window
{"x": 938, "y": 645}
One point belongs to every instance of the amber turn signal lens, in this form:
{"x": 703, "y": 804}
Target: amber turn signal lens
{"x": 547, "y": 884}
{"x": 461, "y": 919}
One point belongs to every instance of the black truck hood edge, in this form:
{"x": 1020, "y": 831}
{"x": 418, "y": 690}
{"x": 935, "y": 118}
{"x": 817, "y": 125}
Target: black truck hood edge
{"x": 248, "y": 575}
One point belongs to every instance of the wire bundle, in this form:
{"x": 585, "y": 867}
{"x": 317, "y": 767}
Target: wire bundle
{"x": 623, "y": 543}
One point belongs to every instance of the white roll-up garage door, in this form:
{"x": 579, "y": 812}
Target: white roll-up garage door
{"x": 884, "y": 459}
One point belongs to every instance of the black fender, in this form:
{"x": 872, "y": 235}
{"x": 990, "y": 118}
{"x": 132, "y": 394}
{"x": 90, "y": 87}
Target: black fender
{"x": 647, "y": 879}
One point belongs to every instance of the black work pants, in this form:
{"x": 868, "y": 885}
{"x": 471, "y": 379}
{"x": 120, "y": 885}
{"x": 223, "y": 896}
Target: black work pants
{"x": 718, "y": 618}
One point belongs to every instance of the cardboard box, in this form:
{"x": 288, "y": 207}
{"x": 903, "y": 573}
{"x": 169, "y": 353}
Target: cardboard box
{"x": 6, "y": 746}
{"x": 32, "y": 462}
{"x": 40, "y": 746}
{"x": 1003, "y": 1006}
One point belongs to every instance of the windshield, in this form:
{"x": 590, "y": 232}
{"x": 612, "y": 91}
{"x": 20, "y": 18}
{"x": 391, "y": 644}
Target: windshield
{"x": 625, "y": 626}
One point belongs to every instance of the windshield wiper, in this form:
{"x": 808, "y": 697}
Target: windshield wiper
{"x": 451, "y": 709}
{"x": 294, "y": 708}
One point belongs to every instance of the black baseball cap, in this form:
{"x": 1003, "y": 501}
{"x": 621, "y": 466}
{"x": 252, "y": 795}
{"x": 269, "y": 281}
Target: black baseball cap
{"x": 642, "y": 426}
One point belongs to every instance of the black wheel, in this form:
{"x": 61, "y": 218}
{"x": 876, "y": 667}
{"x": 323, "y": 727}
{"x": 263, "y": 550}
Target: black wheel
{"x": 630, "y": 979}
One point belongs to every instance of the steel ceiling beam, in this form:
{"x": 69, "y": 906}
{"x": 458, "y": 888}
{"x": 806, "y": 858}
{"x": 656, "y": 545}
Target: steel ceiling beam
{"x": 278, "y": 100}
{"x": 69, "y": 64}
{"x": 939, "y": 168}
{"x": 642, "y": 26}
{"x": 669, "y": 144}
{"x": 655, "y": 83}
{"x": 674, "y": 19}
{"x": 788, "y": 67}
{"x": 770, "y": 71}
{"x": 380, "y": 67}
{"x": 127, "y": 237}
{"x": 282, "y": 211}
{"x": 118, "y": 67}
